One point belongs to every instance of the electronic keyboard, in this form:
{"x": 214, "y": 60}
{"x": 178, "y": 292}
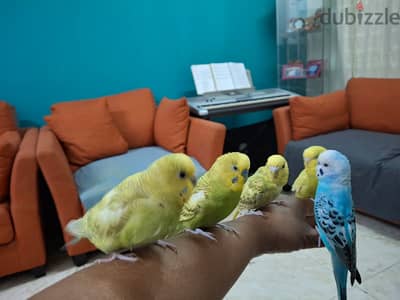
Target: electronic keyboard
{"x": 255, "y": 100}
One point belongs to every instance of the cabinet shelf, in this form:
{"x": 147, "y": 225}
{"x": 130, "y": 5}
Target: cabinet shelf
{"x": 300, "y": 52}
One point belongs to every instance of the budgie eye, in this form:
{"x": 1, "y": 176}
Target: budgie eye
{"x": 283, "y": 166}
{"x": 235, "y": 168}
{"x": 325, "y": 165}
{"x": 182, "y": 174}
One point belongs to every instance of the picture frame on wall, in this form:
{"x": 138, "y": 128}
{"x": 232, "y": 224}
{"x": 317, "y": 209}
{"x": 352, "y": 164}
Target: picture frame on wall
{"x": 293, "y": 71}
{"x": 314, "y": 68}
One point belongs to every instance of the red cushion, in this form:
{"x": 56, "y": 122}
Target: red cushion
{"x": 171, "y": 124}
{"x": 8, "y": 120}
{"x": 374, "y": 104}
{"x": 133, "y": 113}
{"x": 86, "y": 130}
{"x": 311, "y": 116}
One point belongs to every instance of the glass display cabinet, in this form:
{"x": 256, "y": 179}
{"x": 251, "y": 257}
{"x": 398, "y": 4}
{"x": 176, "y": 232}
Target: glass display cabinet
{"x": 300, "y": 43}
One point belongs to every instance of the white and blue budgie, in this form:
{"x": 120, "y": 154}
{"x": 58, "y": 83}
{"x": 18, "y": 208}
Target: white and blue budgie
{"x": 334, "y": 217}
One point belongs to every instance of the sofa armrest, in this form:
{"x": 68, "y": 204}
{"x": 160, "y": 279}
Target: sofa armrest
{"x": 283, "y": 127}
{"x": 205, "y": 141}
{"x": 57, "y": 173}
{"x": 24, "y": 202}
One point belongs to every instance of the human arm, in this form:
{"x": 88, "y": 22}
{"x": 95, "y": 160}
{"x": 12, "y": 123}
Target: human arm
{"x": 202, "y": 269}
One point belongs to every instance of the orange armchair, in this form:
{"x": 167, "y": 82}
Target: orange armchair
{"x": 205, "y": 141}
{"x": 21, "y": 239}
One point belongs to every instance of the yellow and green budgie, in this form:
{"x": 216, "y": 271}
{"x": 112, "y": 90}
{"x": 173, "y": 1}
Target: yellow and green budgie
{"x": 144, "y": 208}
{"x": 263, "y": 186}
{"x": 216, "y": 194}
{"x": 306, "y": 183}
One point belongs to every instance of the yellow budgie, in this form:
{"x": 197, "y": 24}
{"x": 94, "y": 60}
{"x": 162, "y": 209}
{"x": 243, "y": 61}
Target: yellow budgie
{"x": 144, "y": 208}
{"x": 263, "y": 186}
{"x": 306, "y": 183}
{"x": 216, "y": 194}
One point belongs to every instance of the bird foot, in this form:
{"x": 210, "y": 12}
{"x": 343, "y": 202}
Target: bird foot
{"x": 253, "y": 212}
{"x": 206, "y": 234}
{"x": 131, "y": 257}
{"x": 164, "y": 244}
{"x": 227, "y": 228}
{"x": 279, "y": 202}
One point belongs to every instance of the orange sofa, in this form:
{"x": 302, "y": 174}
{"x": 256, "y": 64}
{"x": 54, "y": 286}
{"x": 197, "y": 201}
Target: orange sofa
{"x": 363, "y": 122}
{"x": 81, "y": 134}
{"x": 21, "y": 238}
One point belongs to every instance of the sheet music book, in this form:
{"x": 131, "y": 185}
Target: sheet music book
{"x": 220, "y": 77}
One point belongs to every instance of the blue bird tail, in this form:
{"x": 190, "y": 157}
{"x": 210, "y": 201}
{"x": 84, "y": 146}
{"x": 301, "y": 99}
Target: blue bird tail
{"x": 355, "y": 275}
{"x": 340, "y": 272}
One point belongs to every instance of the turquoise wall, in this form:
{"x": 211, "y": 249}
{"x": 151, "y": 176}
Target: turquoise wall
{"x": 53, "y": 51}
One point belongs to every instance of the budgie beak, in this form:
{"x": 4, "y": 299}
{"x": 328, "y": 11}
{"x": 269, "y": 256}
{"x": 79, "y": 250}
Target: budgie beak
{"x": 245, "y": 174}
{"x": 184, "y": 191}
{"x": 274, "y": 171}
{"x": 193, "y": 180}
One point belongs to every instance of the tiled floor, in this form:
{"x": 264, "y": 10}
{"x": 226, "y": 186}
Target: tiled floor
{"x": 307, "y": 274}
{"x": 304, "y": 274}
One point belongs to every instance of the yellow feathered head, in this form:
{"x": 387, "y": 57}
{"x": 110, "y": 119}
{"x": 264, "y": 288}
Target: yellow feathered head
{"x": 233, "y": 169}
{"x": 278, "y": 169}
{"x": 175, "y": 174}
{"x": 310, "y": 156}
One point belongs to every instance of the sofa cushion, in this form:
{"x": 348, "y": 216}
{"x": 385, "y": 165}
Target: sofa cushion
{"x": 97, "y": 178}
{"x": 171, "y": 124}
{"x": 375, "y": 164}
{"x": 8, "y": 119}
{"x": 316, "y": 115}
{"x": 374, "y": 104}
{"x": 133, "y": 112}
{"x": 9, "y": 145}
{"x": 6, "y": 227}
{"x": 86, "y": 130}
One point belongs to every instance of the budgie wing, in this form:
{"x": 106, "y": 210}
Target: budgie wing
{"x": 112, "y": 213}
{"x": 110, "y": 218}
{"x": 340, "y": 230}
{"x": 257, "y": 193}
{"x": 300, "y": 181}
{"x": 193, "y": 206}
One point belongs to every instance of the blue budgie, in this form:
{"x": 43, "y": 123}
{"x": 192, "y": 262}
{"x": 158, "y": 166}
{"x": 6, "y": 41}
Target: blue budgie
{"x": 334, "y": 217}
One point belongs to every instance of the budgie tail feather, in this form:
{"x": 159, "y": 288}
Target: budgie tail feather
{"x": 74, "y": 227}
{"x": 355, "y": 276}
{"x": 340, "y": 271}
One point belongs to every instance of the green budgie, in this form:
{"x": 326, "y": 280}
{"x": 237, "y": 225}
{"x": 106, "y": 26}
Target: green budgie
{"x": 216, "y": 194}
{"x": 306, "y": 183}
{"x": 144, "y": 208}
{"x": 263, "y": 186}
